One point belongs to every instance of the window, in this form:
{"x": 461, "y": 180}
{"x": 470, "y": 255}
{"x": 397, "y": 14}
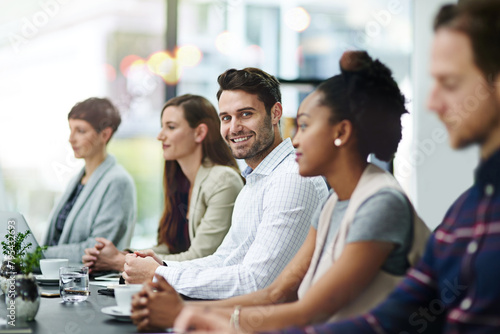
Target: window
{"x": 59, "y": 53}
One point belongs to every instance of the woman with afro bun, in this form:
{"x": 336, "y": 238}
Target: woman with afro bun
{"x": 366, "y": 235}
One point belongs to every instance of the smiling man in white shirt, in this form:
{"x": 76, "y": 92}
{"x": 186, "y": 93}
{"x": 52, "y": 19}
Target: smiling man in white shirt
{"x": 272, "y": 213}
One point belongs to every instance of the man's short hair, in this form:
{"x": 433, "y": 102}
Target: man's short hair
{"x": 480, "y": 21}
{"x": 253, "y": 81}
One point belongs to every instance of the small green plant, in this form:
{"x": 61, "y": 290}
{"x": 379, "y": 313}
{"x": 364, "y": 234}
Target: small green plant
{"x": 15, "y": 249}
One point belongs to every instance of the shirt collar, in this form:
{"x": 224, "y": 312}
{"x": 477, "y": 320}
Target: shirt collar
{"x": 488, "y": 171}
{"x": 272, "y": 160}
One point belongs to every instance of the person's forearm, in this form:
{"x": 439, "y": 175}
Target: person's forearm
{"x": 262, "y": 318}
{"x": 272, "y": 317}
{"x": 257, "y": 298}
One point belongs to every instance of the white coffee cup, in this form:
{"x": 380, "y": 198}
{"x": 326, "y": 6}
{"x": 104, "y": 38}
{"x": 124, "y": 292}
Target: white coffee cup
{"x": 50, "y": 267}
{"x": 123, "y": 296}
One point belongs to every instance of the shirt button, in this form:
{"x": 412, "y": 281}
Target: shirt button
{"x": 466, "y": 303}
{"x": 472, "y": 247}
{"x": 489, "y": 190}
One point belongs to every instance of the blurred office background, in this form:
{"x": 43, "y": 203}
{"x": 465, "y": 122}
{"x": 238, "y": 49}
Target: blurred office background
{"x": 54, "y": 53}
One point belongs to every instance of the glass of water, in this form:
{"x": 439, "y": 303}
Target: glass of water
{"x": 74, "y": 284}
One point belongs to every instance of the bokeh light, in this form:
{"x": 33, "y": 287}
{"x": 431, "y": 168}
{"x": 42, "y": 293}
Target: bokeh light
{"x": 127, "y": 62}
{"x": 110, "y": 72}
{"x": 188, "y": 55}
{"x": 174, "y": 74}
{"x": 137, "y": 65}
{"x": 227, "y": 43}
{"x": 165, "y": 66}
{"x": 160, "y": 63}
{"x": 297, "y": 19}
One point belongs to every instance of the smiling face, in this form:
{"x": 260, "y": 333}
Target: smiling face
{"x": 314, "y": 138}
{"x": 177, "y": 137}
{"x": 245, "y": 125}
{"x": 461, "y": 97}
{"x": 84, "y": 139}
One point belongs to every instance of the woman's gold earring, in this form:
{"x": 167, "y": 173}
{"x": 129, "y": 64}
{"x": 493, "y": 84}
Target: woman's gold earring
{"x": 337, "y": 142}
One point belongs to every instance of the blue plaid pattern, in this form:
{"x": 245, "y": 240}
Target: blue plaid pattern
{"x": 455, "y": 287}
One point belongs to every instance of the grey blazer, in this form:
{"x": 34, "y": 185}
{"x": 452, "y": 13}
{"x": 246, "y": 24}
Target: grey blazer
{"x": 212, "y": 200}
{"x": 106, "y": 207}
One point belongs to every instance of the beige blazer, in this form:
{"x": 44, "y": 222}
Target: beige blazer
{"x": 372, "y": 180}
{"x": 212, "y": 200}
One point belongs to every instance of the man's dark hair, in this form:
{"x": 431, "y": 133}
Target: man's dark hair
{"x": 480, "y": 21}
{"x": 253, "y": 81}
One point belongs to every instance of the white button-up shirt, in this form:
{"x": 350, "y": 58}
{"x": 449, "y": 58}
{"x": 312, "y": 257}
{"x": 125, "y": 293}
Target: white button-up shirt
{"x": 271, "y": 219}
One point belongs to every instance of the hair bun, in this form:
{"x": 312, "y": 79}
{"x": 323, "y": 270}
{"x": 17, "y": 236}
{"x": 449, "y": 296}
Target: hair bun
{"x": 375, "y": 103}
{"x": 353, "y": 61}
{"x": 362, "y": 72}
{"x": 365, "y": 76}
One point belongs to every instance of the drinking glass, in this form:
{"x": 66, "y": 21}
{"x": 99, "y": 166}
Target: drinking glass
{"x": 74, "y": 284}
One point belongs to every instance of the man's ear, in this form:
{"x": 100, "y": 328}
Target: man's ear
{"x": 276, "y": 113}
{"x": 200, "y": 133}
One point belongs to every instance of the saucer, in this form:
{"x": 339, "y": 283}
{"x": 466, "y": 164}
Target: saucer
{"x": 46, "y": 281}
{"x": 115, "y": 312}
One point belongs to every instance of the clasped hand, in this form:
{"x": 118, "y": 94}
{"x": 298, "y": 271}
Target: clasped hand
{"x": 140, "y": 266}
{"x": 103, "y": 256}
{"x": 156, "y": 306}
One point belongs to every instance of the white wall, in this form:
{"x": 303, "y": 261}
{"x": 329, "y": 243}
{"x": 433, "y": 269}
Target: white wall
{"x": 440, "y": 174}
{"x": 52, "y": 57}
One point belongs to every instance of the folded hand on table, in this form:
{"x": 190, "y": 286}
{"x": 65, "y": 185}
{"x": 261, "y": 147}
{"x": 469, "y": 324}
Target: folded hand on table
{"x": 156, "y": 306}
{"x": 138, "y": 270}
{"x": 104, "y": 256}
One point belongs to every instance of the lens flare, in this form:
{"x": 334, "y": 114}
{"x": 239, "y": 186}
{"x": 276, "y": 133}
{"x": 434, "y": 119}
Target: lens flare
{"x": 127, "y": 62}
{"x": 297, "y": 19}
{"x": 173, "y": 76}
{"x": 110, "y": 72}
{"x": 137, "y": 65}
{"x": 160, "y": 63}
{"x": 165, "y": 66}
{"x": 188, "y": 55}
